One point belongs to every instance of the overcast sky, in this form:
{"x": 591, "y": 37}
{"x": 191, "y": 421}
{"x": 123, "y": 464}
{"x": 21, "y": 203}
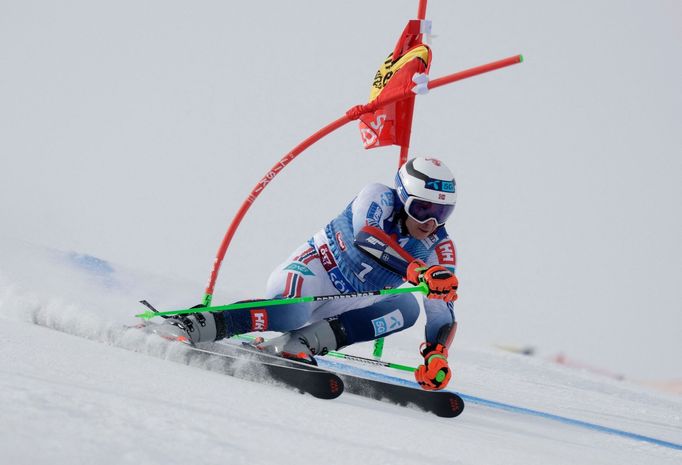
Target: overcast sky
{"x": 134, "y": 130}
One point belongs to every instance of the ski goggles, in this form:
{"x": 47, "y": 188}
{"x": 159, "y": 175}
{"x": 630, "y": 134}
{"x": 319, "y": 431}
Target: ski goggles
{"x": 422, "y": 211}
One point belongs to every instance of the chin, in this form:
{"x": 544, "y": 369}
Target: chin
{"x": 416, "y": 232}
{"x": 422, "y": 235}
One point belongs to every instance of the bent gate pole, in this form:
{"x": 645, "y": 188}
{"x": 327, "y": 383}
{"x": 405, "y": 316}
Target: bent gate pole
{"x": 351, "y": 115}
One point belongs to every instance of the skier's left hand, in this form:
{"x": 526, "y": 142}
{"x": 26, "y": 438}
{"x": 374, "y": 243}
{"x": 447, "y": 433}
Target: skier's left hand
{"x": 435, "y": 373}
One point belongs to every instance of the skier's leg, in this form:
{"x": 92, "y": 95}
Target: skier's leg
{"x": 282, "y": 284}
{"x": 382, "y": 318}
{"x": 301, "y": 274}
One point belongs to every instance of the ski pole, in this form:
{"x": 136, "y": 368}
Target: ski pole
{"x": 421, "y": 287}
{"x": 371, "y": 361}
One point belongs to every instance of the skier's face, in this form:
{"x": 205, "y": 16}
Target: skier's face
{"x": 420, "y": 230}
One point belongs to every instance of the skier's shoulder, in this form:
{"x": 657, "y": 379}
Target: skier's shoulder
{"x": 372, "y": 206}
{"x": 376, "y": 199}
{"x": 379, "y": 193}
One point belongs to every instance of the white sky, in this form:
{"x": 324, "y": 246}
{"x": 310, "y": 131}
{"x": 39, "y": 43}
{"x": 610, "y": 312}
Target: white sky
{"x": 133, "y": 131}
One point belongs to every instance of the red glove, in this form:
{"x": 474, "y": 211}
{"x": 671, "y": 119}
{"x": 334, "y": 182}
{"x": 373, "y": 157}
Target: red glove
{"x": 442, "y": 283}
{"x": 435, "y": 373}
{"x": 415, "y": 270}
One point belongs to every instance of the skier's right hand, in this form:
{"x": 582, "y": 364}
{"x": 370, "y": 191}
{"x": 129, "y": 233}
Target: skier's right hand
{"x": 442, "y": 283}
{"x": 415, "y": 270}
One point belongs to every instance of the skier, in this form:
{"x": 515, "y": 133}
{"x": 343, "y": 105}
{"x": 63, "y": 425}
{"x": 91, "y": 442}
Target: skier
{"x": 383, "y": 238}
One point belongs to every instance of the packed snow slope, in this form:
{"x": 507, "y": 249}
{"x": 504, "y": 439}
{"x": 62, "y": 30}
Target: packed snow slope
{"x": 134, "y": 132}
{"x": 76, "y": 387}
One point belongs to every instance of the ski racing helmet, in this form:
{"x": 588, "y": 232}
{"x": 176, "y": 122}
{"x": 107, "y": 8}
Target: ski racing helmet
{"x": 427, "y": 189}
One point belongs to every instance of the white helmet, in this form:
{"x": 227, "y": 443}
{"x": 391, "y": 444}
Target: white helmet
{"x": 427, "y": 189}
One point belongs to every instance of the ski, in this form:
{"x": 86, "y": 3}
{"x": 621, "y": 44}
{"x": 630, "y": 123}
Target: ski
{"x": 444, "y": 404}
{"x": 244, "y": 361}
{"x": 251, "y": 365}
{"x": 302, "y": 377}
{"x": 441, "y": 403}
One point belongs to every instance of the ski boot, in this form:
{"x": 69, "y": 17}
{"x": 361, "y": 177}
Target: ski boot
{"x": 193, "y": 328}
{"x": 303, "y": 344}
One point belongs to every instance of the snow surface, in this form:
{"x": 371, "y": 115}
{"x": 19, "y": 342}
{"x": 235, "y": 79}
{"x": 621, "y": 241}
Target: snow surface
{"x": 77, "y": 387}
{"x": 133, "y": 132}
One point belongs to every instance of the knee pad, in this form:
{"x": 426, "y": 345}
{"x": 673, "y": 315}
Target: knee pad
{"x": 409, "y": 307}
{"x": 385, "y": 317}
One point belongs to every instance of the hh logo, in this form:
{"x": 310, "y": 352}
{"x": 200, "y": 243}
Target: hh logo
{"x": 446, "y": 253}
{"x": 259, "y": 320}
{"x": 339, "y": 240}
{"x": 327, "y": 258}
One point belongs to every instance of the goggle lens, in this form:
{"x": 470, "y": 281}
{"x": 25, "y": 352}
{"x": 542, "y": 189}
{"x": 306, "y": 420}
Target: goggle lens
{"x": 422, "y": 210}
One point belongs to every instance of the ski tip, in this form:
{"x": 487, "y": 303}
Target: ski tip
{"x": 455, "y": 407}
{"x": 332, "y": 390}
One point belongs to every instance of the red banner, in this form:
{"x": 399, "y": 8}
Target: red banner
{"x": 391, "y": 124}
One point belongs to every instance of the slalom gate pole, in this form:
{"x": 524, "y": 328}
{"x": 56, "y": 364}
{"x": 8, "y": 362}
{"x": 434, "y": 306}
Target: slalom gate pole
{"x": 378, "y": 349}
{"x": 378, "y": 346}
{"x": 450, "y": 78}
{"x": 421, "y": 12}
{"x": 256, "y": 191}
{"x": 352, "y": 114}
{"x": 422, "y": 287}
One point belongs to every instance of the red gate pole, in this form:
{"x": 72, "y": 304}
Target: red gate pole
{"x": 421, "y": 12}
{"x": 450, "y": 78}
{"x": 352, "y": 114}
{"x": 260, "y": 186}
{"x": 402, "y": 159}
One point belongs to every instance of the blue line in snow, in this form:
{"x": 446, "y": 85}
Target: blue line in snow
{"x": 569, "y": 421}
{"x": 501, "y": 406}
